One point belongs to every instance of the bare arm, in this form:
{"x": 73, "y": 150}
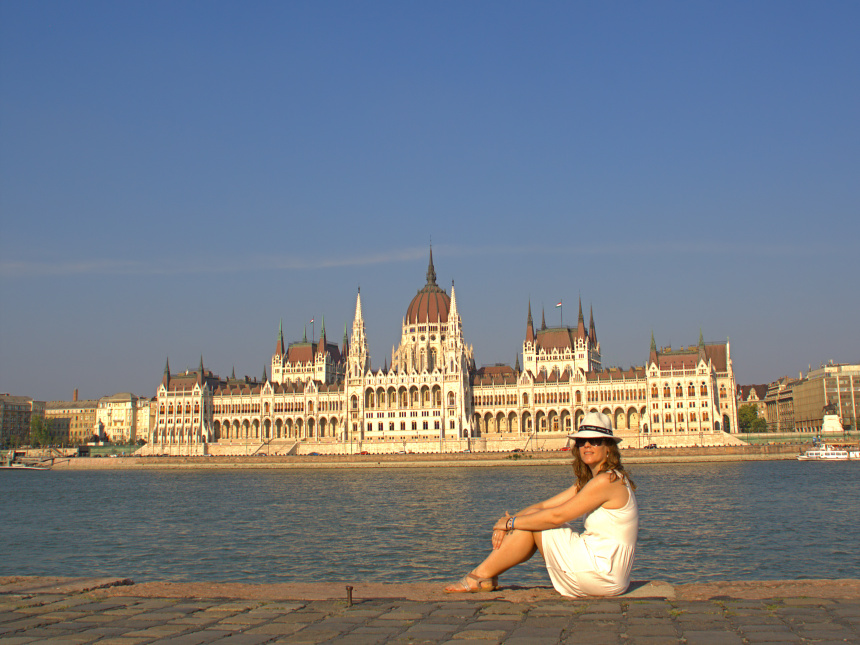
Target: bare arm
{"x": 599, "y": 491}
{"x": 555, "y": 500}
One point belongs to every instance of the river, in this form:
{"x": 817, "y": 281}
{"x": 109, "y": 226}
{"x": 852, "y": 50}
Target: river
{"x": 699, "y": 522}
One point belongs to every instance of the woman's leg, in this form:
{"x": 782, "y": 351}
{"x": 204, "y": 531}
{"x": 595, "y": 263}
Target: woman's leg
{"x": 516, "y": 547}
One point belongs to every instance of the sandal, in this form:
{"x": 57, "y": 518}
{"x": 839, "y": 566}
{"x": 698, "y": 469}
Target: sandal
{"x": 482, "y": 584}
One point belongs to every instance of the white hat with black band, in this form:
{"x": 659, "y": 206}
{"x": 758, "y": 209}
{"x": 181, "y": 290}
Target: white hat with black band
{"x": 595, "y": 425}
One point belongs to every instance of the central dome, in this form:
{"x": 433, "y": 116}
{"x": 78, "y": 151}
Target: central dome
{"x": 430, "y": 304}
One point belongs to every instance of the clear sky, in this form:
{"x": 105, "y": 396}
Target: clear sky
{"x": 177, "y": 177}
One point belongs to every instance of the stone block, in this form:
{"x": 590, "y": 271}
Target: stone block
{"x": 635, "y": 632}
{"x": 483, "y": 635}
{"x": 716, "y": 637}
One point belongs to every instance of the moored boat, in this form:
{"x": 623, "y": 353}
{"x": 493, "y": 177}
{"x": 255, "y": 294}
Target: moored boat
{"x": 15, "y": 462}
{"x": 824, "y": 452}
{"x": 18, "y": 466}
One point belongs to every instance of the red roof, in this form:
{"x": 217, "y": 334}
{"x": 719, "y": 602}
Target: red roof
{"x": 429, "y": 305}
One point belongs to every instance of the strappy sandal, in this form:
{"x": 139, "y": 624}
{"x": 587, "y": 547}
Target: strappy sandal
{"x": 482, "y": 584}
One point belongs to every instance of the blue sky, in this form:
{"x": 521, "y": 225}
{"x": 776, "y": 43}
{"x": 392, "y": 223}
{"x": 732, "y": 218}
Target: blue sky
{"x": 176, "y": 178}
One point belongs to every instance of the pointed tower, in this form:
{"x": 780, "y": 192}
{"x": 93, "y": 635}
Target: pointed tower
{"x": 517, "y": 365}
{"x": 652, "y": 356}
{"x": 453, "y": 348}
{"x": 431, "y": 271}
{"x": 165, "y": 379}
{"x": 200, "y": 371}
{"x": 305, "y": 335}
{"x": 265, "y": 376}
{"x": 357, "y": 366}
{"x": 530, "y": 327}
{"x": 233, "y": 374}
{"x": 542, "y": 319}
{"x": 592, "y": 333}
{"x": 580, "y": 323}
{"x": 358, "y": 359}
{"x": 280, "y": 356}
{"x": 279, "y": 347}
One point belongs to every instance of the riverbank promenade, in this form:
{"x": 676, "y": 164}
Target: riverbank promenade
{"x": 119, "y": 612}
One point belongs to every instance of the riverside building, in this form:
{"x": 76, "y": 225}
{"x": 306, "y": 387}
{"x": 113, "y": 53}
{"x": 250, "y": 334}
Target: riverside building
{"x": 326, "y": 398}
{"x": 72, "y": 422}
{"x": 834, "y": 385}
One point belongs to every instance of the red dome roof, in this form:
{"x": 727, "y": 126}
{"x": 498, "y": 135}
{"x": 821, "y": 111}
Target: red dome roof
{"x": 431, "y": 303}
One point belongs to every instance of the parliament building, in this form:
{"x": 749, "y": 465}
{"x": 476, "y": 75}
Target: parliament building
{"x": 324, "y": 398}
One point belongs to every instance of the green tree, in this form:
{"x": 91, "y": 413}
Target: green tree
{"x": 40, "y": 431}
{"x": 759, "y": 425}
{"x": 747, "y": 418}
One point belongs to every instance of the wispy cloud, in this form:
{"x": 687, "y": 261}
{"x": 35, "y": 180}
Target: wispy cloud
{"x": 191, "y": 266}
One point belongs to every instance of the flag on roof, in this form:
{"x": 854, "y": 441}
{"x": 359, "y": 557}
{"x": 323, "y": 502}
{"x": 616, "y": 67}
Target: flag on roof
{"x": 559, "y": 304}
{"x": 310, "y": 321}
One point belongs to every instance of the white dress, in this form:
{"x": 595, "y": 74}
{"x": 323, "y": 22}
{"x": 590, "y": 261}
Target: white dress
{"x": 598, "y": 562}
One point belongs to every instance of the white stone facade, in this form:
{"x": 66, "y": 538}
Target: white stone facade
{"x": 116, "y": 417}
{"x": 324, "y": 398}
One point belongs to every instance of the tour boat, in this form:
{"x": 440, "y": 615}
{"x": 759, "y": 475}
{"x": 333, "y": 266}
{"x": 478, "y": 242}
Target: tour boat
{"x": 826, "y": 453}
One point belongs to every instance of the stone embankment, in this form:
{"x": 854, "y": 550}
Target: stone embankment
{"x": 117, "y": 611}
{"x": 546, "y": 458}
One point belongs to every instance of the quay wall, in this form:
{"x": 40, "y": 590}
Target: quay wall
{"x": 457, "y": 460}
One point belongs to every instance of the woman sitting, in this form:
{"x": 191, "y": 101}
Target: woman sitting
{"x": 597, "y": 562}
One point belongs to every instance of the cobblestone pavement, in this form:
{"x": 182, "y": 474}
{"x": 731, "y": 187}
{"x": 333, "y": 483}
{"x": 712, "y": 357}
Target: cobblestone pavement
{"x": 87, "y": 617}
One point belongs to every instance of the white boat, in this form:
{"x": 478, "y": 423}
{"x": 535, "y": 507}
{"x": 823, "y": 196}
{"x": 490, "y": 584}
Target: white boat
{"x": 824, "y": 452}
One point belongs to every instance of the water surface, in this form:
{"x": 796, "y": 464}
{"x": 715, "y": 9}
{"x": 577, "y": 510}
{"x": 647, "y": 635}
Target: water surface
{"x": 699, "y": 522}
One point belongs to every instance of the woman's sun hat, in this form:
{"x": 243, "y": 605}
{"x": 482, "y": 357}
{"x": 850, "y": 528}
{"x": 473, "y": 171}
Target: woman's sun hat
{"x": 595, "y": 425}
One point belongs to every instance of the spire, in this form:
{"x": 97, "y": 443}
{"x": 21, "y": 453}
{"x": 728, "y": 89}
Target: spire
{"x": 305, "y": 335}
{"x": 200, "y": 371}
{"x": 233, "y": 374}
{"x": 530, "y": 327}
{"x": 279, "y": 348}
{"x": 345, "y": 347}
{"x": 653, "y": 344}
{"x": 321, "y": 348}
{"x": 517, "y": 364}
{"x": 701, "y": 339}
{"x": 452, "y": 313}
{"x": 592, "y": 333}
{"x": 265, "y": 376}
{"x": 580, "y": 323}
{"x": 358, "y": 315}
{"x": 431, "y": 272}
{"x": 165, "y": 380}
{"x": 542, "y": 319}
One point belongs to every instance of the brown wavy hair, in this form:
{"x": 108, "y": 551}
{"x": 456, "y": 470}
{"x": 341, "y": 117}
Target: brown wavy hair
{"x": 612, "y": 465}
